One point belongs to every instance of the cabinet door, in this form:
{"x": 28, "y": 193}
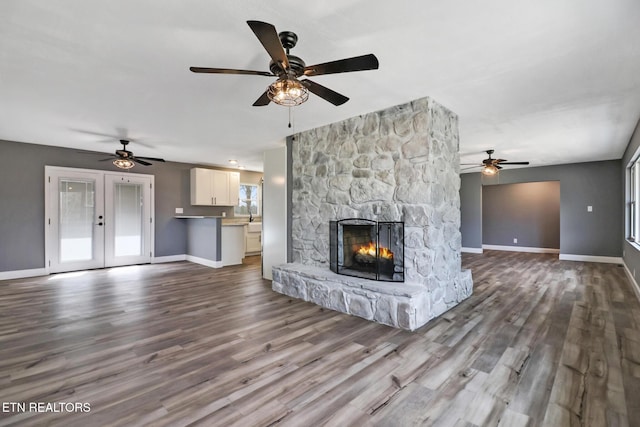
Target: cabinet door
{"x": 201, "y": 190}
{"x": 232, "y": 245}
{"x": 253, "y": 242}
{"x": 234, "y": 188}
{"x": 220, "y": 186}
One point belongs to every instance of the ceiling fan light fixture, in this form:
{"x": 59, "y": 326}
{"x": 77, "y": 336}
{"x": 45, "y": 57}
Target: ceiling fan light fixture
{"x": 124, "y": 163}
{"x": 489, "y": 170}
{"x": 287, "y": 92}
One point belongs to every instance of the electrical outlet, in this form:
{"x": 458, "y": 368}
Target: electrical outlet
{"x": 589, "y": 208}
{"x": 179, "y": 210}
{"x": 515, "y": 240}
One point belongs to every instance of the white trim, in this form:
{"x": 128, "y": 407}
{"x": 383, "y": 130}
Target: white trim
{"x": 20, "y": 274}
{"x": 592, "y": 258}
{"x": 104, "y": 261}
{"x": 634, "y": 284}
{"x": 169, "y": 258}
{"x": 146, "y": 182}
{"x": 521, "y": 249}
{"x": 204, "y": 261}
{"x": 471, "y": 250}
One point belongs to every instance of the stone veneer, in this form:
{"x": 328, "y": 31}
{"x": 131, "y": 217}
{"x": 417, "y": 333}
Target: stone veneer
{"x": 398, "y": 164}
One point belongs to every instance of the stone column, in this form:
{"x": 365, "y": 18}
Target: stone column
{"x": 398, "y": 164}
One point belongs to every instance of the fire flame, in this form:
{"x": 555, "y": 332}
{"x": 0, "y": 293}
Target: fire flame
{"x": 370, "y": 250}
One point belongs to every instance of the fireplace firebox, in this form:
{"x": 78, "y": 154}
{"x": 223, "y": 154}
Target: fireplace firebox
{"x": 368, "y": 249}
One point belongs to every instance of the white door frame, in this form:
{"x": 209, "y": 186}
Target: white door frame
{"x": 48, "y": 206}
{"x": 52, "y": 227}
{"x": 146, "y": 181}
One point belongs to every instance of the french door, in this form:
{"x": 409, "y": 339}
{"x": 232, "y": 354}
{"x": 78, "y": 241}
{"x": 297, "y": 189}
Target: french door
{"x": 97, "y": 219}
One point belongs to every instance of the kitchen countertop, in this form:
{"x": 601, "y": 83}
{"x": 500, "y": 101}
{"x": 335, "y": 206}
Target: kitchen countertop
{"x": 232, "y": 221}
{"x": 225, "y": 220}
{"x": 196, "y": 216}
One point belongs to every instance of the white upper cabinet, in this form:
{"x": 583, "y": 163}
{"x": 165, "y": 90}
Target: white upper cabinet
{"x": 201, "y": 187}
{"x": 234, "y": 188}
{"x": 220, "y": 187}
{"x": 210, "y": 187}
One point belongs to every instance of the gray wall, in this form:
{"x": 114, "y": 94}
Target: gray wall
{"x": 203, "y": 238}
{"x": 529, "y": 212}
{"x": 471, "y": 210}
{"x": 22, "y": 200}
{"x": 631, "y": 252}
{"x": 599, "y": 184}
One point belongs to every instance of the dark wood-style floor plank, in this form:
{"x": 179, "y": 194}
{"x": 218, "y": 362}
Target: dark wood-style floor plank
{"x": 540, "y": 342}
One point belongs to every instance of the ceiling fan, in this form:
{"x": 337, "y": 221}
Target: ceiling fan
{"x": 492, "y": 166}
{"x": 126, "y": 160}
{"x": 288, "y": 90}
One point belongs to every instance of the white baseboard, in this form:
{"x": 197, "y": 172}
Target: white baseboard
{"x": 204, "y": 261}
{"x": 21, "y": 274}
{"x": 170, "y": 258}
{"x": 521, "y": 249}
{"x": 471, "y": 250}
{"x": 634, "y": 284}
{"x": 592, "y": 258}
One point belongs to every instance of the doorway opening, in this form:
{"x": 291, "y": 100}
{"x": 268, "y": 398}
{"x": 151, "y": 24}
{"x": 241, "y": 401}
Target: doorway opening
{"x": 521, "y": 217}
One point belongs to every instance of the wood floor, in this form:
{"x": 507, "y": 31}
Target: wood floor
{"x": 540, "y": 342}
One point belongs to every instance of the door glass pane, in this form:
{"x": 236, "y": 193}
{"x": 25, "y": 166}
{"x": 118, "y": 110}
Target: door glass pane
{"x": 128, "y": 204}
{"x": 77, "y": 211}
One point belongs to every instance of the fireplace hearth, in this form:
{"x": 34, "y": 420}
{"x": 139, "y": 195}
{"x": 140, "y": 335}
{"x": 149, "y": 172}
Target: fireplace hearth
{"x": 367, "y": 249}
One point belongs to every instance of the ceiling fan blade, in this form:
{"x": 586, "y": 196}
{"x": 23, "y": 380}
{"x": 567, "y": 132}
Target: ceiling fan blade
{"x": 357, "y": 63}
{"x": 142, "y": 162}
{"x": 81, "y": 151}
{"x": 514, "y": 163}
{"x": 262, "y": 101}
{"x": 325, "y": 93}
{"x": 153, "y": 159}
{"x": 229, "y": 71}
{"x": 500, "y": 160}
{"x": 268, "y": 36}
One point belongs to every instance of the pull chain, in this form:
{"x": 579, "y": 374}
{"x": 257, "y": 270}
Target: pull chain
{"x": 292, "y": 124}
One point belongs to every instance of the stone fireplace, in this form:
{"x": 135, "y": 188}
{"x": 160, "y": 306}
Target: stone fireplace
{"x": 368, "y": 249}
{"x": 399, "y": 165}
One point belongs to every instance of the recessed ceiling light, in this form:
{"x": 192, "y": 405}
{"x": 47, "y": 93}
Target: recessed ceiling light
{"x": 233, "y": 162}
{"x": 240, "y": 167}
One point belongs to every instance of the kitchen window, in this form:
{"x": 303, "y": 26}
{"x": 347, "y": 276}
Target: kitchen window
{"x": 248, "y": 200}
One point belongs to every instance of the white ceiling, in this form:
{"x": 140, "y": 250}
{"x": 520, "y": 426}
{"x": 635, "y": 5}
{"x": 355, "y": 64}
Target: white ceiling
{"x": 546, "y": 81}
